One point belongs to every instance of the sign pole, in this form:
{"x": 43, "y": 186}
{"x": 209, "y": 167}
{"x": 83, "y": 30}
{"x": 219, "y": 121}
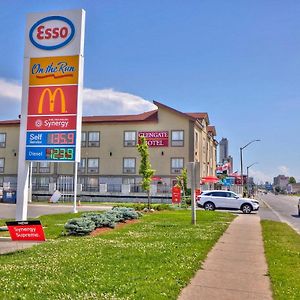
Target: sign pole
{"x": 75, "y": 188}
{"x": 23, "y": 166}
{"x": 193, "y": 194}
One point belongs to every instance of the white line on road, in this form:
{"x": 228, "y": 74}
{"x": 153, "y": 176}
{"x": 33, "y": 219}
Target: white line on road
{"x": 283, "y": 220}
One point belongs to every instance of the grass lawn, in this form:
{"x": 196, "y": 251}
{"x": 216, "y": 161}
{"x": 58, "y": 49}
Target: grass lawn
{"x": 282, "y": 247}
{"x": 152, "y": 259}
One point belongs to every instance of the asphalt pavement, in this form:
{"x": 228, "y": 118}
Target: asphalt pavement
{"x": 280, "y": 208}
{"x": 8, "y": 211}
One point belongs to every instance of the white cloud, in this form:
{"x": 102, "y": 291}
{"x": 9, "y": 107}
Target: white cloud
{"x": 284, "y": 170}
{"x": 259, "y": 176}
{"x": 95, "y": 102}
{"x": 109, "y": 101}
{"x": 10, "y": 89}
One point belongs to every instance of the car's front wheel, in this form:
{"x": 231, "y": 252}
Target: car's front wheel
{"x": 246, "y": 208}
{"x": 209, "y": 206}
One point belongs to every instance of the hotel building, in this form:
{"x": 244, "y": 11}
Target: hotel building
{"x": 109, "y": 158}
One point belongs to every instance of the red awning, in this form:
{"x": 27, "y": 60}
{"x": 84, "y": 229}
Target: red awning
{"x": 209, "y": 179}
{"x": 156, "y": 178}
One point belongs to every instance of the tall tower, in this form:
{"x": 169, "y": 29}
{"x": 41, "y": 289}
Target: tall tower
{"x": 223, "y": 150}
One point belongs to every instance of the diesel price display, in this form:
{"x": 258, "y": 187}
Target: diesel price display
{"x": 60, "y": 153}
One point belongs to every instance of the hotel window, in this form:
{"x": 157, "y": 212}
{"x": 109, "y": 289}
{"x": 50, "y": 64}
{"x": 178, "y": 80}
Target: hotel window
{"x": 92, "y": 184}
{"x": 2, "y": 165}
{"x": 34, "y": 165}
{"x": 177, "y": 138}
{"x": 196, "y": 140}
{"x": 44, "y": 167}
{"x": 94, "y": 139}
{"x": 83, "y": 139}
{"x": 93, "y": 165}
{"x": 82, "y": 166}
{"x": 130, "y": 138}
{"x": 129, "y": 165}
{"x": 176, "y": 165}
{"x": 2, "y": 140}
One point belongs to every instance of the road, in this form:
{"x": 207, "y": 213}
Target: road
{"x": 8, "y": 211}
{"x": 280, "y": 208}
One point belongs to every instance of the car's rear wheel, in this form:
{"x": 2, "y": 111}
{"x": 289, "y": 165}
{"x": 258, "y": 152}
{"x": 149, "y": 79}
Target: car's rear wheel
{"x": 209, "y": 206}
{"x": 246, "y": 208}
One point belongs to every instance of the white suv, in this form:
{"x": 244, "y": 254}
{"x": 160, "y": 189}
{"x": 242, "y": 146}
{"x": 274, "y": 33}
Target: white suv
{"x": 210, "y": 200}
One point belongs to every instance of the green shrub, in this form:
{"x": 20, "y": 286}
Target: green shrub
{"x": 101, "y": 220}
{"x": 80, "y": 226}
{"x": 127, "y": 213}
{"x": 89, "y": 221}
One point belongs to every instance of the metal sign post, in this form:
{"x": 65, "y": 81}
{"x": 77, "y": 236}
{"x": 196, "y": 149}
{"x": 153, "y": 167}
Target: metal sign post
{"x": 193, "y": 172}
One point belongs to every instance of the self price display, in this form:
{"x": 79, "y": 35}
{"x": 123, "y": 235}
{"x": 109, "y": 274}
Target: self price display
{"x": 61, "y": 138}
{"x": 49, "y": 138}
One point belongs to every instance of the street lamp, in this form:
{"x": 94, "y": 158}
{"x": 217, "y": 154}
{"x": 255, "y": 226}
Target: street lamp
{"x": 248, "y": 175}
{"x": 241, "y": 156}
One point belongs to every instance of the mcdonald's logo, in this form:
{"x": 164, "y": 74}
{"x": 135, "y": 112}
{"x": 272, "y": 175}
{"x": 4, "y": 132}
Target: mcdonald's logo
{"x": 54, "y": 100}
{"x": 52, "y": 97}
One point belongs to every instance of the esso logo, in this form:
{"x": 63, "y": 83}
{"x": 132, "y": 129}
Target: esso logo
{"x": 51, "y": 33}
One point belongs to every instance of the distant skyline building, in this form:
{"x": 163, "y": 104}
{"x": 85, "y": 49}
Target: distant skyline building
{"x": 281, "y": 181}
{"x": 223, "y": 150}
{"x": 230, "y": 160}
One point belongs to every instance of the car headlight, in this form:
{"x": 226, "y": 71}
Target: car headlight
{"x": 255, "y": 202}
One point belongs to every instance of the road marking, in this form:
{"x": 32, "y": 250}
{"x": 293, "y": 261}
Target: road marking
{"x": 279, "y": 217}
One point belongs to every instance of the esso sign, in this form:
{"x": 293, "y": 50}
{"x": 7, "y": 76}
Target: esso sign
{"x": 51, "y": 33}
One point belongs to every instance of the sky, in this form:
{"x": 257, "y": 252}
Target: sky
{"x": 239, "y": 61}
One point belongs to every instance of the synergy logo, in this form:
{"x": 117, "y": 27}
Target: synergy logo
{"x": 51, "y": 123}
{"x": 52, "y": 33}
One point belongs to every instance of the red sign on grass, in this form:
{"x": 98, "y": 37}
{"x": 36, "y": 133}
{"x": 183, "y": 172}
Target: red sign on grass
{"x": 26, "y": 230}
{"x": 176, "y": 195}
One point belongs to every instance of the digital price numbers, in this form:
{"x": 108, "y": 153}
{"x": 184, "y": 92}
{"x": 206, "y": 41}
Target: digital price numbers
{"x": 58, "y": 153}
{"x": 61, "y": 138}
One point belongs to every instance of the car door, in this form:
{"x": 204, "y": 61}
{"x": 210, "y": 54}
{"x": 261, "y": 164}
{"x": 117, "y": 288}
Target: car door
{"x": 232, "y": 201}
{"x": 219, "y": 199}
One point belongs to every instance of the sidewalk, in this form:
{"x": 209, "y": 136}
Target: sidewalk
{"x": 236, "y": 266}
{"x": 7, "y": 245}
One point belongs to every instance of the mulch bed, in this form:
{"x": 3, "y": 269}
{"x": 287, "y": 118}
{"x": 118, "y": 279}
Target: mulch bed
{"x": 102, "y": 230}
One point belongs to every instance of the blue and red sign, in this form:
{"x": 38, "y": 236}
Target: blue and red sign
{"x": 46, "y": 34}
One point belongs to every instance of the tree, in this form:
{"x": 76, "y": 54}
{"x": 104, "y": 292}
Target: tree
{"x": 145, "y": 167}
{"x": 292, "y": 180}
{"x": 182, "y": 181}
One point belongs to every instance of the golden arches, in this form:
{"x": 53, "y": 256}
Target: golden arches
{"x": 52, "y": 97}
